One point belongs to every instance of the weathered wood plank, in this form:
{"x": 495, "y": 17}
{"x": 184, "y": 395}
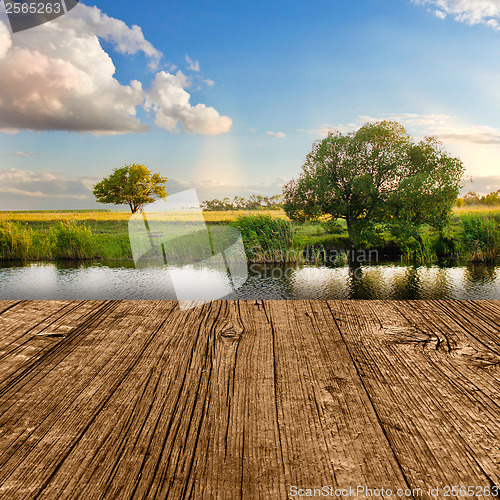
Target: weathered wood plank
{"x": 339, "y": 441}
{"x": 439, "y": 409}
{"x": 245, "y": 399}
{"x": 30, "y": 329}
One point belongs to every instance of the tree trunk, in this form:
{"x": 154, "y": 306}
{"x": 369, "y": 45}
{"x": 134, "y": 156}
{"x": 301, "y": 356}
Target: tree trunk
{"x": 350, "y": 229}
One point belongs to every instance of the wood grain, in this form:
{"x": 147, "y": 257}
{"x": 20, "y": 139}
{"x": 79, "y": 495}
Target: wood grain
{"x": 247, "y": 399}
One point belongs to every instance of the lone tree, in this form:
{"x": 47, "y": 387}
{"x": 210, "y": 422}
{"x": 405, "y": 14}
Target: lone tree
{"x": 377, "y": 174}
{"x": 134, "y": 185}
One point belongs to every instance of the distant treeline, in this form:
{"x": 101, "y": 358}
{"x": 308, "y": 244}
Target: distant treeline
{"x": 472, "y": 198}
{"x": 255, "y": 202}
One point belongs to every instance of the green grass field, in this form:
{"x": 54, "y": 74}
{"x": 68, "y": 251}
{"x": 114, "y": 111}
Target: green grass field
{"x": 110, "y": 239}
{"x": 101, "y": 216}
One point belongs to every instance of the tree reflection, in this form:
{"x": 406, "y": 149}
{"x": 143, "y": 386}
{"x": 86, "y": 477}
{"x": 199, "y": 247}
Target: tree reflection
{"x": 480, "y": 273}
{"x": 407, "y": 286}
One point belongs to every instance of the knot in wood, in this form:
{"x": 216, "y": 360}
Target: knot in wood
{"x": 230, "y": 334}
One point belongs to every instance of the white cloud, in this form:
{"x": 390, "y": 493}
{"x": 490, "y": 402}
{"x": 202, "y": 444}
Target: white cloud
{"x": 5, "y": 40}
{"x": 170, "y": 103}
{"x": 43, "y": 185}
{"x": 57, "y": 76}
{"x": 446, "y": 128}
{"x": 277, "y": 135}
{"x": 467, "y": 11}
{"x": 125, "y": 40}
{"x": 192, "y": 65}
{"x": 208, "y": 82}
{"x": 23, "y": 154}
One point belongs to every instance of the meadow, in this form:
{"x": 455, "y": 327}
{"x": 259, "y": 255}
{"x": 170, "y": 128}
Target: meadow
{"x": 474, "y": 234}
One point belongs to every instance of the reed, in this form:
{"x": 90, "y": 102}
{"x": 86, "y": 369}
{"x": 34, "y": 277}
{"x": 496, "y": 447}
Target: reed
{"x": 266, "y": 239}
{"x": 16, "y": 241}
{"x": 480, "y": 237}
{"x": 73, "y": 241}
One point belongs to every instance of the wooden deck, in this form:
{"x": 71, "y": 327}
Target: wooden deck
{"x": 248, "y": 399}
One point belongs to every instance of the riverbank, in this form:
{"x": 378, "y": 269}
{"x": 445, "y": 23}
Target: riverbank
{"x": 474, "y": 235}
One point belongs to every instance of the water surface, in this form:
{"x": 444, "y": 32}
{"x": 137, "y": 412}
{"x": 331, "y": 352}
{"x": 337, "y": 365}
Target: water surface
{"x": 121, "y": 280}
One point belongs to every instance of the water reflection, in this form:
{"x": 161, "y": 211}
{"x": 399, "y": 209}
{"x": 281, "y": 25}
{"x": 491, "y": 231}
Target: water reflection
{"x": 121, "y": 280}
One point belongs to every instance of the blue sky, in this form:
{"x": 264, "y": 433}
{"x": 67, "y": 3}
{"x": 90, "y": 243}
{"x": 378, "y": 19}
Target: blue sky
{"x": 232, "y": 94}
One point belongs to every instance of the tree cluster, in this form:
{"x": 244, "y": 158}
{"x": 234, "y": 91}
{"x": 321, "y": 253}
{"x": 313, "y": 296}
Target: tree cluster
{"x": 255, "y": 202}
{"x": 472, "y": 198}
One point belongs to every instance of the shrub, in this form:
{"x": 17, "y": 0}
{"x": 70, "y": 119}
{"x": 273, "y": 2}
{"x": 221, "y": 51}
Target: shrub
{"x": 332, "y": 226}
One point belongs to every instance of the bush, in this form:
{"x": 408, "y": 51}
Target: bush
{"x": 332, "y": 226}
{"x": 265, "y": 238}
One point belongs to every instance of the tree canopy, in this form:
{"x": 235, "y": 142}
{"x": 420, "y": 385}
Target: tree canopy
{"x": 377, "y": 174}
{"x": 134, "y": 185}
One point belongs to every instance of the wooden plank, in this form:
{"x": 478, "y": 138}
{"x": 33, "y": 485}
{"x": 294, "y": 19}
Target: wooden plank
{"x": 17, "y": 318}
{"x": 5, "y": 305}
{"x": 191, "y": 438}
{"x": 30, "y": 329}
{"x": 330, "y": 431}
{"x": 35, "y": 400}
{"x": 439, "y": 411}
{"x": 246, "y": 399}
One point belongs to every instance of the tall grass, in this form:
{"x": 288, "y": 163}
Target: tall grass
{"x": 480, "y": 237}
{"x": 266, "y": 239}
{"x": 420, "y": 251}
{"x": 16, "y": 241}
{"x": 73, "y": 241}
{"x": 103, "y": 216}
{"x": 66, "y": 240}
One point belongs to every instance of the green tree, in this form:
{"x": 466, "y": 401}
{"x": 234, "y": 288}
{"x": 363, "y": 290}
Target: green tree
{"x": 472, "y": 198}
{"x": 375, "y": 175}
{"x": 428, "y": 193}
{"x": 491, "y": 199}
{"x": 134, "y": 185}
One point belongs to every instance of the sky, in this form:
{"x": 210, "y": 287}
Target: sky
{"x": 228, "y": 97}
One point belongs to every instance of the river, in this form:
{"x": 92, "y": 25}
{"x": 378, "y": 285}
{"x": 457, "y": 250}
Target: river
{"x": 121, "y": 280}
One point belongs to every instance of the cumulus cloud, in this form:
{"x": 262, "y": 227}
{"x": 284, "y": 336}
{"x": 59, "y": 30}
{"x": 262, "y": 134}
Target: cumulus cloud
{"x": 57, "y": 76}
{"x": 170, "y": 104}
{"x": 276, "y": 135}
{"x": 92, "y": 21}
{"x": 467, "y": 11}
{"x": 5, "y": 39}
